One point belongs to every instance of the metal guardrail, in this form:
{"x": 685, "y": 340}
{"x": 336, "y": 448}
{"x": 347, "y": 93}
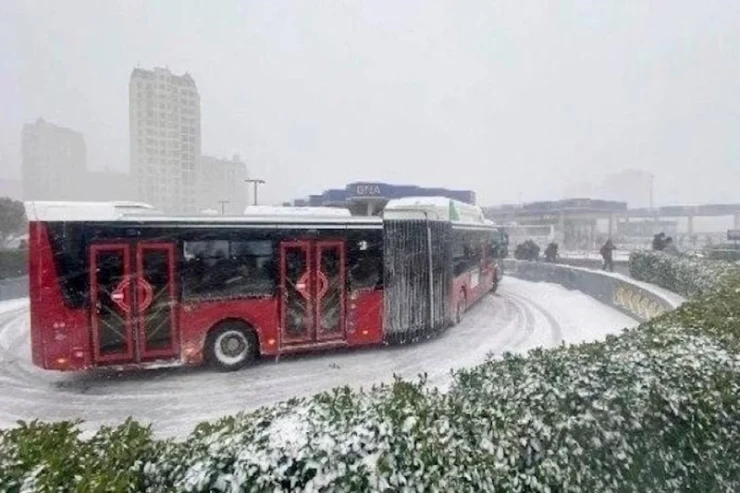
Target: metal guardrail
{"x": 13, "y": 288}
{"x": 622, "y": 294}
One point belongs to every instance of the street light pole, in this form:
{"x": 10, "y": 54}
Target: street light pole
{"x": 255, "y": 182}
{"x": 223, "y": 204}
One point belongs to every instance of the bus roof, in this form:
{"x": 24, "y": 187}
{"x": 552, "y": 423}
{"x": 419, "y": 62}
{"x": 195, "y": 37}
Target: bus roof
{"x": 45, "y": 211}
{"x": 269, "y": 210}
{"x": 42, "y": 210}
{"x": 435, "y": 209}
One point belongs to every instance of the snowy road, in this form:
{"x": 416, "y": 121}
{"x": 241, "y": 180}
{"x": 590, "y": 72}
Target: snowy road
{"x": 520, "y": 316}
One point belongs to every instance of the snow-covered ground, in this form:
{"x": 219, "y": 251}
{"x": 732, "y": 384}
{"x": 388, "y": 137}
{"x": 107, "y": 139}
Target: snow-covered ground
{"x": 520, "y": 316}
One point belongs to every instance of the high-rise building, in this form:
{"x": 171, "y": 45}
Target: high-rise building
{"x": 221, "y": 186}
{"x": 54, "y": 162}
{"x": 164, "y": 138}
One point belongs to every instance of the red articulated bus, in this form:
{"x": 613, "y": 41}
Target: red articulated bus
{"x": 120, "y": 284}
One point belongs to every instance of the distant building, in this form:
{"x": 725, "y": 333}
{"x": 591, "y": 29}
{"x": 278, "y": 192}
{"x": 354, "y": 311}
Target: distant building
{"x": 369, "y": 198}
{"x": 164, "y": 138}
{"x": 54, "y": 160}
{"x": 220, "y": 185}
{"x": 646, "y": 228}
{"x": 573, "y": 221}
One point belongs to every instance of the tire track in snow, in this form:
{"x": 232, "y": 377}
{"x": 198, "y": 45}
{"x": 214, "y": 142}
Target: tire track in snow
{"x": 556, "y": 332}
{"x": 175, "y": 399}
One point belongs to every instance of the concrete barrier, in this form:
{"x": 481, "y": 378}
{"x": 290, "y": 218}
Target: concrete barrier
{"x": 620, "y": 266}
{"x": 637, "y": 299}
{"x": 13, "y": 288}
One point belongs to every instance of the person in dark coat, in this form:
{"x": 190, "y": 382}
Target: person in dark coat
{"x": 659, "y": 242}
{"x": 551, "y": 252}
{"x": 607, "y": 253}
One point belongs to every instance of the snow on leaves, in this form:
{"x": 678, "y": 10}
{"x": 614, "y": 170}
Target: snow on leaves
{"x": 686, "y": 275}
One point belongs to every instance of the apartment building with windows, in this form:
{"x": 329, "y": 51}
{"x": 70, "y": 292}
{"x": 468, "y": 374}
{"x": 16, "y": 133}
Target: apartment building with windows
{"x": 164, "y": 139}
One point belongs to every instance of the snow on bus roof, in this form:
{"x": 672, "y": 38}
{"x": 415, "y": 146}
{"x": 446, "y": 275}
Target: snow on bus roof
{"x": 434, "y": 208}
{"x": 134, "y": 211}
{"x": 43, "y": 210}
{"x": 269, "y": 210}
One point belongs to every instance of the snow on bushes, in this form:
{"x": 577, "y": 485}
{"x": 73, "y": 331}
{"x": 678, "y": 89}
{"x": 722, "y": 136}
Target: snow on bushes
{"x": 682, "y": 274}
{"x": 648, "y": 411}
{"x": 656, "y": 408}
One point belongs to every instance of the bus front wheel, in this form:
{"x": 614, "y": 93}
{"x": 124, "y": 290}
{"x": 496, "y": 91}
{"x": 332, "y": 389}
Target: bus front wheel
{"x": 231, "y": 347}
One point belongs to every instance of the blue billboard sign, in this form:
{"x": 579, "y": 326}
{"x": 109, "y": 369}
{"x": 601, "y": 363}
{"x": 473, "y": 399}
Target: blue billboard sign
{"x": 386, "y": 191}
{"x": 369, "y": 189}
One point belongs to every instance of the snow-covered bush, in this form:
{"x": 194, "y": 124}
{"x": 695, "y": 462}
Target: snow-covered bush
{"x": 52, "y": 457}
{"x": 682, "y": 274}
{"x": 656, "y": 408}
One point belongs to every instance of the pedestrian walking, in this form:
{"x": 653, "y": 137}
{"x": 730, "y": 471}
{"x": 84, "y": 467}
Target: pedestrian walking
{"x": 607, "y": 253}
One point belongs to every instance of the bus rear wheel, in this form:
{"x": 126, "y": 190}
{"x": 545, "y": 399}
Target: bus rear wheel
{"x": 231, "y": 346}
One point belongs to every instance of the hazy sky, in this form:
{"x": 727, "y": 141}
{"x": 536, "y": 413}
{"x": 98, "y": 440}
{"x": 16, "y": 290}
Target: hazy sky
{"x": 513, "y": 99}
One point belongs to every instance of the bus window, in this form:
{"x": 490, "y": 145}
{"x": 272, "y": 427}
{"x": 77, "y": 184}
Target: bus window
{"x": 475, "y": 248}
{"x": 365, "y": 261}
{"x": 459, "y": 258}
{"x": 68, "y": 248}
{"x": 227, "y": 269}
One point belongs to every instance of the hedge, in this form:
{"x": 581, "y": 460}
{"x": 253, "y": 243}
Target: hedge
{"x": 730, "y": 253}
{"x": 656, "y": 408}
{"x": 682, "y": 274}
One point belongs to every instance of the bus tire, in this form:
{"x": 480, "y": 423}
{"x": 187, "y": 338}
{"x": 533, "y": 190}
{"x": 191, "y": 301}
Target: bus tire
{"x": 231, "y": 346}
{"x": 462, "y": 304}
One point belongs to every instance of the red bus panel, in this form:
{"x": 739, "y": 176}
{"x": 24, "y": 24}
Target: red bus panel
{"x": 60, "y": 336}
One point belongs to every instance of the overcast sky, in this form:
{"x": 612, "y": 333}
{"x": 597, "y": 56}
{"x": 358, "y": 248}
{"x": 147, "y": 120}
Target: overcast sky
{"x": 513, "y": 99}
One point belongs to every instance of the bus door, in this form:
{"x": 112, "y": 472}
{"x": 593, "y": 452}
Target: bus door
{"x": 133, "y": 302}
{"x": 312, "y": 281}
{"x": 111, "y": 298}
{"x": 156, "y": 301}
